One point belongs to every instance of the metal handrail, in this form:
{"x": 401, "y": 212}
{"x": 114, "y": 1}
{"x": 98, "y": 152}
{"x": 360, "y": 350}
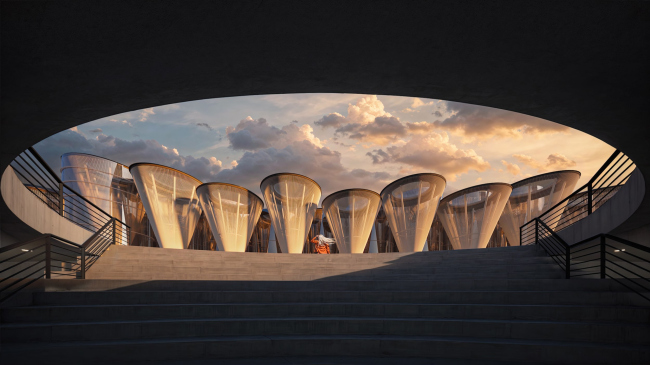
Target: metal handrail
{"x": 57, "y": 195}
{"x": 608, "y": 176}
{"x": 633, "y": 275}
{"x": 20, "y": 266}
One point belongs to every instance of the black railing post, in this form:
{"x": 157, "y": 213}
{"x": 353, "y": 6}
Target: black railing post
{"x": 590, "y": 199}
{"x": 603, "y": 252}
{"x": 48, "y": 257}
{"x": 567, "y": 261}
{"x": 520, "y": 235}
{"x": 114, "y": 233}
{"x": 83, "y": 262}
{"x": 61, "y": 199}
{"x": 536, "y": 231}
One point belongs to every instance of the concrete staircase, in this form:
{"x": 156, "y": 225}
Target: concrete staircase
{"x": 493, "y": 306}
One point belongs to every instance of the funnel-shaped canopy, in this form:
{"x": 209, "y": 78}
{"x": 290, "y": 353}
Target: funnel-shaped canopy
{"x": 410, "y": 204}
{"x": 470, "y": 215}
{"x": 97, "y": 179}
{"x": 292, "y": 200}
{"x": 170, "y": 200}
{"x": 351, "y": 214}
{"x": 232, "y": 212}
{"x": 533, "y": 196}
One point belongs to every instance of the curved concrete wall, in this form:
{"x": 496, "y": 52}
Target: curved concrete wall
{"x": 31, "y": 210}
{"x": 611, "y": 214}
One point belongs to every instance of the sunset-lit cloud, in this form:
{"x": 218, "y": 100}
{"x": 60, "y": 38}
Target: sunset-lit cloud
{"x": 554, "y": 161}
{"x": 339, "y": 140}
{"x": 432, "y": 152}
{"x": 512, "y": 168}
{"x": 475, "y": 122}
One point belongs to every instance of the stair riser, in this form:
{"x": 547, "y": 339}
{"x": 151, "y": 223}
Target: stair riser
{"x": 330, "y": 285}
{"x": 606, "y": 333}
{"x": 287, "y": 270}
{"x": 308, "y": 277}
{"x": 469, "y": 297}
{"x": 452, "y": 311}
{"x": 265, "y": 347}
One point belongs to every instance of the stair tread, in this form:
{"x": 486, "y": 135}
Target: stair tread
{"x": 489, "y": 340}
{"x": 316, "y": 318}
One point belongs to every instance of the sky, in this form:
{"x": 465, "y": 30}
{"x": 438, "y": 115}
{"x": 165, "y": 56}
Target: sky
{"x": 340, "y": 140}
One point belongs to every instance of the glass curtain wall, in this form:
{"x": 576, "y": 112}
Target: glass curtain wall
{"x": 314, "y": 231}
{"x": 292, "y": 200}
{"x": 232, "y": 213}
{"x": 259, "y": 241}
{"x": 533, "y": 196}
{"x": 470, "y": 215}
{"x": 385, "y": 239}
{"x": 410, "y": 205}
{"x": 170, "y": 200}
{"x": 351, "y": 214}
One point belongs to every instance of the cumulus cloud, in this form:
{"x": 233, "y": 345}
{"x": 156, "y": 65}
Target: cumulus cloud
{"x": 417, "y": 102}
{"x": 432, "y": 152}
{"x": 206, "y": 125}
{"x": 420, "y": 127}
{"x": 334, "y": 120}
{"x": 554, "y": 161}
{"x": 126, "y": 152}
{"x": 251, "y": 135}
{"x": 145, "y": 113}
{"x": 512, "y": 168}
{"x": 303, "y": 157}
{"x": 476, "y": 122}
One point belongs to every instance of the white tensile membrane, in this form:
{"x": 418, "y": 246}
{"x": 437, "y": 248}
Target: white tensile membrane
{"x": 470, "y": 215}
{"x": 410, "y": 205}
{"x": 292, "y": 200}
{"x": 170, "y": 200}
{"x": 351, "y": 214}
{"x": 232, "y": 212}
{"x": 533, "y": 196}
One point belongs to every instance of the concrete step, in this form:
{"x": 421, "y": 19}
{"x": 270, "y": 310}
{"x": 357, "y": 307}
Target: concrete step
{"x": 185, "y": 349}
{"x": 623, "y": 333}
{"x": 209, "y": 274}
{"x": 480, "y": 284}
{"x": 596, "y": 298}
{"x": 121, "y": 312}
{"x": 340, "y": 269}
{"x": 434, "y": 262}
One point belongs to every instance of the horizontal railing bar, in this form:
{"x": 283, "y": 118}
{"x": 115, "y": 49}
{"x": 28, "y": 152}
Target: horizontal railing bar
{"x": 625, "y": 252}
{"x": 631, "y": 263}
{"x": 634, "y": 290}
{"x": 22, "y": 253}
{"x": 18, "y": 272}
{"x": 18, "y": 289}
{"x": 583, "y": 268}
{"x": 629, "y": 243}
{"x": 626, "y": 278}
{"x": 628, "y": 270}
{"x": 22, "y": 262}
{"x": 585, "y": 255}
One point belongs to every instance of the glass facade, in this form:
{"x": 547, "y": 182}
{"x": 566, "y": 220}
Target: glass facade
{"x": 232, "y": 213}
{"x": 410, "y": 205}
{"x": 351, "y": 214}
{"x": 469, "y": 216}
{"x": 170, "y": 200}
{"x": 292, "y": 200}
{"x": 259, "y": 241}
{"x": 533, "y": 196}
{"x": 96, "y": 179}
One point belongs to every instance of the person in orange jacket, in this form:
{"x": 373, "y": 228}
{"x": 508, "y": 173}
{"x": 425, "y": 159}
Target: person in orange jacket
{"x": 322, "y": 244}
